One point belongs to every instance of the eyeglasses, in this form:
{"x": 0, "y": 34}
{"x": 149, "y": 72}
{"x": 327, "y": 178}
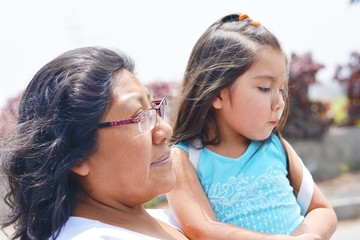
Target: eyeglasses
{"x": 146, "y": 120}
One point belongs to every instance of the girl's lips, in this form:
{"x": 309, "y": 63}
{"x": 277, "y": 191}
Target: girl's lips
{"x": 274, "y": 122}
{"x": 164, "y": 160}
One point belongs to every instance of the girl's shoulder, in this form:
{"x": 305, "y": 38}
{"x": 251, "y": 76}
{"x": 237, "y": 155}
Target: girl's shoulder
{"x": 275, "y": 141}
{"x": 184, "y": 145}
{"x": 272, "y": 142}
{"x": 272, "y": 146}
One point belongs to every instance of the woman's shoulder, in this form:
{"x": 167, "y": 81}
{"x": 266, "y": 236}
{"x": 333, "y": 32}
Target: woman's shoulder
{"x": 165, "y": 216}
{"x": 78, "y": 228}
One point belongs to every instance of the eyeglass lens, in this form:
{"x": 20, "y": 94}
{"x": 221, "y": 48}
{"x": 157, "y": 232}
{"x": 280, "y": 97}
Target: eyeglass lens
{"x": 162, "y": 110}
{"x": 147, "y": 120}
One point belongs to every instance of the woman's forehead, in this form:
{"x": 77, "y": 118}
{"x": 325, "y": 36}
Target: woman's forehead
{"x": 126, "y": 86}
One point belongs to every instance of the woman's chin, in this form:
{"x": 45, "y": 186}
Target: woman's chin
{"x": 171, "y": 182}
{"x": 167, "y": 183}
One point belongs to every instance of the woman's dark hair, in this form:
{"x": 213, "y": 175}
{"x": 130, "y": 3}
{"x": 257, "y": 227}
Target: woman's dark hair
{"x": 225, "y": 51}
{"x": 57, "y": 130}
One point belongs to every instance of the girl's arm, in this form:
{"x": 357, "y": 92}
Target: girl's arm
{"x": 320, "y": 217}
{"x": 193, "y": 211}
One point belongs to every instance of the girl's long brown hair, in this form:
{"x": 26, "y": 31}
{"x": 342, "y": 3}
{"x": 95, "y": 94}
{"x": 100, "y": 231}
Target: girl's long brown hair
{"x": 225, "y": 51}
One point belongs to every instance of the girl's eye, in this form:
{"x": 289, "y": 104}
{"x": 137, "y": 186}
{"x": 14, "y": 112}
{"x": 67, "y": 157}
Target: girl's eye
{"x": 264, "y": 89}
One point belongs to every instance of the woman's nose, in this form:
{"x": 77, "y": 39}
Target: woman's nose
{"x": 162, "y": 131}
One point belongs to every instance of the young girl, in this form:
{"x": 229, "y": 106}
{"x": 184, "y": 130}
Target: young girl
{"x": 231, "y": 108}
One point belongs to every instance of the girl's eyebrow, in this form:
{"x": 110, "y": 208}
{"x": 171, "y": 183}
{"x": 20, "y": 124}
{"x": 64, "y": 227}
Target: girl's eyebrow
{"x": 265, "y": 76}
{"x": 272, "y": 79}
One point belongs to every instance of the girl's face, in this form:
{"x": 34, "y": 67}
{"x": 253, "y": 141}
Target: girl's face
{"x": 252, "y": 106}
{"x": 129, "y": 167}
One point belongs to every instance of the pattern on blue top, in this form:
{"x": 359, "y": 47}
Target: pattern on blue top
{"x": 251, "y": 191}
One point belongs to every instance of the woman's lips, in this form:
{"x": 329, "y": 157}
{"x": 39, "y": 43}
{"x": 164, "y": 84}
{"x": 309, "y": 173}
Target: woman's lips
{"x": 164, "y": 160}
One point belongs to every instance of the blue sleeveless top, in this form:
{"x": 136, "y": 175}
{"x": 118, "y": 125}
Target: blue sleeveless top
{"x": 251, "y": 191}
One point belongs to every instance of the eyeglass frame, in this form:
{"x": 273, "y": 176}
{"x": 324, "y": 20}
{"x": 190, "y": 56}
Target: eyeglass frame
{"x": 157, "y": 107}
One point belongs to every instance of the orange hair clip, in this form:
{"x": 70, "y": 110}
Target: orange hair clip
{"x": 242, "y": 17}
{"x": 256, "y": 24}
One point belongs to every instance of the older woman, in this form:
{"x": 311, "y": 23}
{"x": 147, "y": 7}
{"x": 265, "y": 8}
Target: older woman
{"x": 90, "y": 148}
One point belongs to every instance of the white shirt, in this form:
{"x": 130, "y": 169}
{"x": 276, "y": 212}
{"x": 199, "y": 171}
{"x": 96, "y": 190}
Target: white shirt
{"x": 78, "y": 228}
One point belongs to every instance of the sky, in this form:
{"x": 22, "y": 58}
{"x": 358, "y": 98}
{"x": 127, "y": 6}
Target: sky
{"x": 159, "y": 34}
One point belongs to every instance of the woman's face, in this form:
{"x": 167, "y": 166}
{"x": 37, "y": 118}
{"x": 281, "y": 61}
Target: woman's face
{"x": 129, "y": 167}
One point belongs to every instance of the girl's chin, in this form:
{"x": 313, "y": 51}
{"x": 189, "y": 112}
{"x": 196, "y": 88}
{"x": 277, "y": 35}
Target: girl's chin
{"x": 261, "y": 138}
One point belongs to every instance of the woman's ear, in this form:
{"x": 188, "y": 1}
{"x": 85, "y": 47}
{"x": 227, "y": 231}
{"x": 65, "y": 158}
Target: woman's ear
{"x": 218, "y": 102}
{"x": 82, "y": 170}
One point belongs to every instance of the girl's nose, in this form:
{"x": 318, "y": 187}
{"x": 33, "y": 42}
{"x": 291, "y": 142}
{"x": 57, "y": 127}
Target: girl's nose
{"x": 278, "y": 102}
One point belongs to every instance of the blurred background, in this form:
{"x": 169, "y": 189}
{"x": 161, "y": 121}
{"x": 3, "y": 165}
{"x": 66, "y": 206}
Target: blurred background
{"x": 321, "y": 39}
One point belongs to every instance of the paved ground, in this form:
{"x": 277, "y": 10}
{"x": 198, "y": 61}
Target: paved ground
{"x": 343, "y": 193}
{"x": 348, "y": 230}
{"x": 347, "y": 185}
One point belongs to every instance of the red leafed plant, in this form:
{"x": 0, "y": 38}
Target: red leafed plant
{"x": 8, "y": 115}
{"x": 349, "y": 76}
{"x": 160, "y": 89}
{"x": 306, "y": 118}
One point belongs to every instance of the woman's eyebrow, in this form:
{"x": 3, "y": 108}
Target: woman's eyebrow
{"x": 150, "y": 97}
{"x": 140, "y": 98}
{"x": 144, "y": 100}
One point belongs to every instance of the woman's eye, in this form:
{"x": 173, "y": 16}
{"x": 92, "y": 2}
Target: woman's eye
{"x": 264, "y": 89}
{"x": 155, "y": 103}
{"x": 137, "y": 113}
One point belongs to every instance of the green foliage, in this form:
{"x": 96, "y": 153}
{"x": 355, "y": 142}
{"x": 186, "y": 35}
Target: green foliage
{"x": 338, "y": 108}
{"x": 350, "y": 166}
{"x": 157, "y": 202}
{"x": 152, "y": 203}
